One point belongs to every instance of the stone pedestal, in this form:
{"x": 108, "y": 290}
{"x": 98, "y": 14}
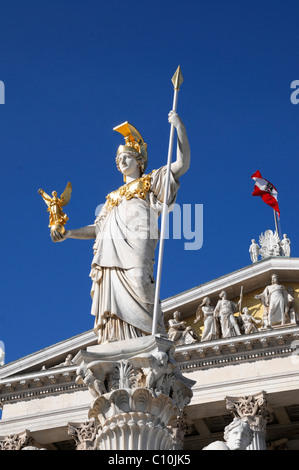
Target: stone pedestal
{"x": 255, "y": 410}
{"x": 139, "y": 393}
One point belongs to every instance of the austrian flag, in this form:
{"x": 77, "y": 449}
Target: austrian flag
{"x": 266, "y": 190}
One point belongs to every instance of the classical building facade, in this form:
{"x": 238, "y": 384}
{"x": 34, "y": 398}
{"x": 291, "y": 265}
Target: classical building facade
{"x": 242, "y": 363}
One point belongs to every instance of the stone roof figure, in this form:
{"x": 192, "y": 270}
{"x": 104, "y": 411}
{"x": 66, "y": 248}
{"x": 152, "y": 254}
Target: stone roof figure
{"x": 2, "y": 353}
{"x": 179, "y": 332}
{"x": 254, "y": 251}
{"x": 205, "y": 311}
{"x": 285, "y": 245}
{"x": 225, "y": 310}
{"x": 277, "y": 300}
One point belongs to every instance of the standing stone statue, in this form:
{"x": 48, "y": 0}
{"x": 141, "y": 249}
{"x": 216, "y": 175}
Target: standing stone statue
{"x": 263, "y": 299}
{"x": 254, "y": 251}
{"x": 277, "y": 300}
{"x": 285, "y": 245}
{"x": 205, "y": 311}
{"x": 2, "y": 353}
{"x": 237, "y": 436}
{"x": 292, "y": 312}
{"x": 126, "y": 235}
{"x": 225, "y": 310}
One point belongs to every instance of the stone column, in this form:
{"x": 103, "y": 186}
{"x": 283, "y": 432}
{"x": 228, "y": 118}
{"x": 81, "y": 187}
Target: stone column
{"x": 138, "y": 393}
{"x": 255, "y": 410}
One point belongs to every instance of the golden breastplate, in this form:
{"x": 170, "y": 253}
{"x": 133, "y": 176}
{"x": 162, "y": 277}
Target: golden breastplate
{"x": 137, "y": 188}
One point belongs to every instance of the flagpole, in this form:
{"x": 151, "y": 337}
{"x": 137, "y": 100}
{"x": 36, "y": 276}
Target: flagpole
{"x": 177, "y": 80}
{"x": 279, "y": 228}
{"x": 276, "y": 223}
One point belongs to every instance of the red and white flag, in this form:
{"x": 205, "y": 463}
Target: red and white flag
{"x": 266, "y": 190}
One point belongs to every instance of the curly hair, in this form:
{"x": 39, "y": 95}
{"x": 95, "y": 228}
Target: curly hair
{"x": 137, "y": 156}
{"x": 238, "y": 422}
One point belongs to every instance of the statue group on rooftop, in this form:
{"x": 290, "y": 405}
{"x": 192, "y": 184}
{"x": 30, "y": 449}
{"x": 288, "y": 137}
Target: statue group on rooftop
{"x": 221, "y": 321}
{"x": 269, "y": 245}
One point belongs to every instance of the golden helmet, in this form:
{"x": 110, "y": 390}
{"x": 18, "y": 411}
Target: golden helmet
{"x": 133, "y": 141}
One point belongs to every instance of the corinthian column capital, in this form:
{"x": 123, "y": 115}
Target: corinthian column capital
{"x": 253, "y": 408}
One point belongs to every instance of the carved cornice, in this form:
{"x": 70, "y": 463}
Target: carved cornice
{"x": 49, "y": 382}
{"x": 278, "y": 341}
{"x": 49, "y": 354}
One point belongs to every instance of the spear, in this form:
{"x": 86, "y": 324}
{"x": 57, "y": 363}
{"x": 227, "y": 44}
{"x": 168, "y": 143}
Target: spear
{"x": 177, "y": 80}
{"x": 240, "y": 302}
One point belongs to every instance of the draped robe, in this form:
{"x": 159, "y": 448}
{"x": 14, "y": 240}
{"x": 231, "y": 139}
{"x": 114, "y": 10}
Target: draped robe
{"x": 277, "y": 299}
{"x": 123, "y": 286}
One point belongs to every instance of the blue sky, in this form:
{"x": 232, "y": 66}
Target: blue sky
{"x": 72, "y": 71}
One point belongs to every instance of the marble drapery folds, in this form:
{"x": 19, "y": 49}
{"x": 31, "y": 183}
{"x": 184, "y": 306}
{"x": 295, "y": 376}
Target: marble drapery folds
{"x": 122, "y": 268}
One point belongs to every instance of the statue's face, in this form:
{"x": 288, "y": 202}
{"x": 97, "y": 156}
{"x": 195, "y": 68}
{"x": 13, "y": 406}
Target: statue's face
{"x": 238, "y": 439}
{"x": 127, "y": 163}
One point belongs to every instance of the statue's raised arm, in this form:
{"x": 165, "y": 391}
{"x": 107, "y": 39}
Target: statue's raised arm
{"x": 45, "y": 196}
{"x": 182, "y": 163}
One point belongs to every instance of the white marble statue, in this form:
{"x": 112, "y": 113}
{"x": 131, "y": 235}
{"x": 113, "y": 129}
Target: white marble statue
{"x": 263, "y": 299}
{"x": 205, "y": 311}
{"x": 126, "y": 235}
{"x": 225, "y": 310}
{"x": 249, "y": 323}
{"x": 237, "y": 435}
{"x": 2, "y": 353}
{"x": 277, "y": 300}
{"x": 179, "y": 332}
{"x": 293, "y": 315}
{"x": 33, "y": 448}
{"x": 270, "y": 244}
{"x": 254, "y": 251}
{"x": 285, "y": 245}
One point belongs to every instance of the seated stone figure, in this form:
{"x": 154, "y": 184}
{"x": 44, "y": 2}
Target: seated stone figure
{"x": 179, "y": 332}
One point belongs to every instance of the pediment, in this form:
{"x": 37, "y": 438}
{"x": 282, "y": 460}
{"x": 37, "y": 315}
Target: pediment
{"x": 253, "y": 277}
{"x": 57, "y": 356}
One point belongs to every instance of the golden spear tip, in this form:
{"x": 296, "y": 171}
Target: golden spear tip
{"x": 177, "y": 79}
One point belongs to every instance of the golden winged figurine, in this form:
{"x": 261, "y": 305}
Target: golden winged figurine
{"x": 57, "y": 218}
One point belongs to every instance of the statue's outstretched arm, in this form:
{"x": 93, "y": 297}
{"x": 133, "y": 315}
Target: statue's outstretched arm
{"x": 83, "y": 233}
{"x": 182, "y": 163}
{"x": 45, "y": 196}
